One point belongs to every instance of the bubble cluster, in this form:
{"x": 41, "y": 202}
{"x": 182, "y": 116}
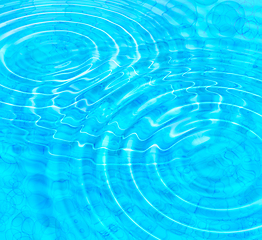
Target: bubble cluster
{"x": 130, "y": 119}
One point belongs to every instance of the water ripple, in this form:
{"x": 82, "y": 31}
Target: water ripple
{"x": 130, "y": 119}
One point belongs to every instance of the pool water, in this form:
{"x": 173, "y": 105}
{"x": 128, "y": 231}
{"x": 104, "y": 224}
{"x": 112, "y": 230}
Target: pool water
{"x": 130, "y": 119}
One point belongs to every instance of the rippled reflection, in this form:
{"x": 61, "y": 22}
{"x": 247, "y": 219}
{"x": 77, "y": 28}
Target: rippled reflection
{"x": 135, "y": 119}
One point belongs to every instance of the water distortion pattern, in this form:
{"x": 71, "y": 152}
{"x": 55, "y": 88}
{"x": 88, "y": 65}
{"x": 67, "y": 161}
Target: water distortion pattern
{"x": 130, "y": 119}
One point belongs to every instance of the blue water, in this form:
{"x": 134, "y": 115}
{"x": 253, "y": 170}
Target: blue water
{"x": 130, "y": 119}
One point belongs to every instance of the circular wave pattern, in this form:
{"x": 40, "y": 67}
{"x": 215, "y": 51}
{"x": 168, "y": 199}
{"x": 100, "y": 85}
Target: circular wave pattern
{"x": 130, "y": 119}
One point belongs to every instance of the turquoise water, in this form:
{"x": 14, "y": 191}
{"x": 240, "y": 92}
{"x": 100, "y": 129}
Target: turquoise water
{"x": 130, "y": 119}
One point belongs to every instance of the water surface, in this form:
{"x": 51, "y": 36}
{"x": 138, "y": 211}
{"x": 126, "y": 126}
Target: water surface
{"x": 130, "y": 119}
